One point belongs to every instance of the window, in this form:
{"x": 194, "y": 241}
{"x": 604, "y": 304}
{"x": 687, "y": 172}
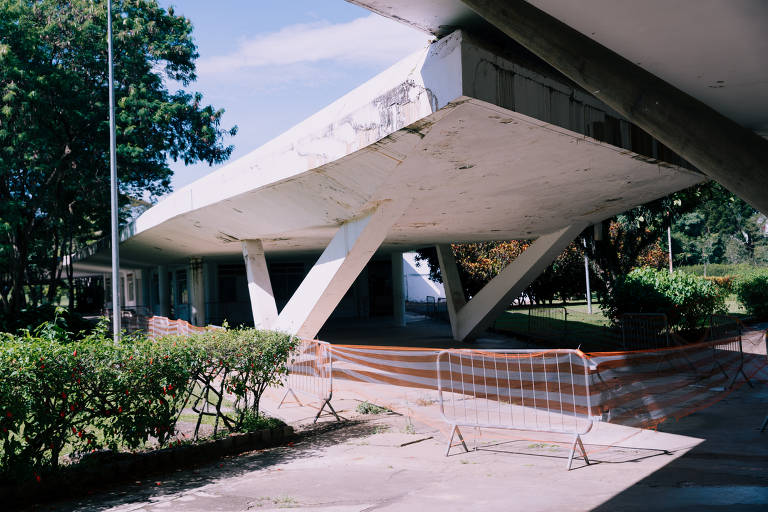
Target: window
{"x": 182, "y": 293}
{"x": 229, "y": 275}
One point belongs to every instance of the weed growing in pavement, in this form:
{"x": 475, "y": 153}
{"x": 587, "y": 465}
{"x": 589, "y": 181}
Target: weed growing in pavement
{"x": 369, "y": 408}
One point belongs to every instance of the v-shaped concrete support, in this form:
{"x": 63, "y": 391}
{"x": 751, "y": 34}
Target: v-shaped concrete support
{"x": 342, "y": 261}
{"x": 470, "y": 319}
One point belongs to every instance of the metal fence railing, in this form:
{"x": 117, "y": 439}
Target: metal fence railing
{"x": 548, "y": 323}
{"x": 529, "y": 390}
{"x": 432, "y": 307}
{"x": 644, "y": 331}
{"x": 310, "y": 373}
{"x": 726, "y": 327}
{"x": 131, "y": 318}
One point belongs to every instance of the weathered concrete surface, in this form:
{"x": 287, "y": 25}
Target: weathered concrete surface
{"x": 713, "y": 460}
{"x": 263, "y": 307}
{"x": 481, "y": 143}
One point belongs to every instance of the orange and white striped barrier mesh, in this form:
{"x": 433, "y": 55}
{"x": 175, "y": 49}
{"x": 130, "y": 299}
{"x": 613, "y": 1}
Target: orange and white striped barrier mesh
{"x": 635, "y": 388}
{"x": 310, "y": 373}
{"x": 534, "y": 390}
{"x": 159, "y": 326}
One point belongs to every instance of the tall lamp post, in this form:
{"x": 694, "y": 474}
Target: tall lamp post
{"x": 113, "y": 188}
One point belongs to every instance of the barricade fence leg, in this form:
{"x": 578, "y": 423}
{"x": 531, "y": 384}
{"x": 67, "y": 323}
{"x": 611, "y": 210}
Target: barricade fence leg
{"x": 577, "y": 442}
{"x": 322, "y": 407}
{"x": 455, "y": 431}
{"x": 741, "y": 367}
{"x": 290, "y": 391}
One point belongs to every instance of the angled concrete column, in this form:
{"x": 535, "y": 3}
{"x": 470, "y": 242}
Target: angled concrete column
{"x": 263, "y": 305}
{"x": 338, "y": 267}
{"x": 196, "y": 292}
{"x": 163, "y": 301}
{"x": 480, "y": 312}
{"x": 454, "y": 293}
{"x": 398, "y": 289}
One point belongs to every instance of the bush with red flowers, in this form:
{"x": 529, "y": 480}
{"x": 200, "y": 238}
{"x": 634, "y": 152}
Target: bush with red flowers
{"x": 58, "y": 396}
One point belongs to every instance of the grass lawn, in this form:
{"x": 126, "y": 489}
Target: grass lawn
{"x": 590, "y": 332}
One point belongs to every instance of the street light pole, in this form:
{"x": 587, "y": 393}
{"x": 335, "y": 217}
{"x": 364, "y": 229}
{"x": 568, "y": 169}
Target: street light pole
{"x": 586, "y": 276}
{"x": 113, "y": 188}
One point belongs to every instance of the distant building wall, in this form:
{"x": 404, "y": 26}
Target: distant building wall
{"x": 418, "y": 286}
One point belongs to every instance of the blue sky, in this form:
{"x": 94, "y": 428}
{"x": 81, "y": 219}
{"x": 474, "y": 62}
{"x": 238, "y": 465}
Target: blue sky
{"x": 270, "y": 64}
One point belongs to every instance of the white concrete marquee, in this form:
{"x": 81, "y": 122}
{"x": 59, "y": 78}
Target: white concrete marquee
{"x": 458, "y": 142}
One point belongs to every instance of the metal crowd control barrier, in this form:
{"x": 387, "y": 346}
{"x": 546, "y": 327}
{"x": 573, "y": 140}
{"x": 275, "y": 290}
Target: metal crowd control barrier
{"x": 644, "y": 331}
{"x": 550, "y": 323}
{"x": 729, "y": 328}
{"x": 310, "y": 372}
{"x": 530, "y": 390}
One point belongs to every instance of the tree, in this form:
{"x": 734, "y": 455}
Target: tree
{"x": 54, "y": 130}
{"x": 480, "y": 262}
{"x": 721, "y": 229}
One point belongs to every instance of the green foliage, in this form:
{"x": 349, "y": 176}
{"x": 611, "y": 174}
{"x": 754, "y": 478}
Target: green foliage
{"x": 721, "y": 229}
{"x": 752, "y": 291}
{"x": 54, "y": 129}
{"x": 687, "y": 300}
{"x": 369, "y": 408}
{"x": 30, "y": 318}
{"x": 480, "y": 262}
{"x": 717, "y": 269}
{"x": 238, "y": 364}
{"x": 253, "y": 422}
{"x": 90, "y": 394}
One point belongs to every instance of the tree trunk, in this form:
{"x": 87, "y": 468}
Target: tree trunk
{"x": 70, "y": 273}
{"x": 18, "y": 268}
{"x": 54, "y": 272}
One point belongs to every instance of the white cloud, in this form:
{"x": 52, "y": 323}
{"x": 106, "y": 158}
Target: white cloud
{"x": 372, "y": 40}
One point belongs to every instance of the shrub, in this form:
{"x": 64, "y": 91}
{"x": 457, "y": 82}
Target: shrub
{"x": 717, "y": 269}
{"x": 687, "y": 300}
{"x": 752, "y": 291}
{"x": 724, "y": 282}
{"x": 31, "y": 318}
{"x": 61, "y": 396}
{"x": 254, "y": 422}
{"x": 239, "y": 364}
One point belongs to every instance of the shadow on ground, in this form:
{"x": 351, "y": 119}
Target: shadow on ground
{"x": 154, "y": 487}
{"x": 728, "y": 471}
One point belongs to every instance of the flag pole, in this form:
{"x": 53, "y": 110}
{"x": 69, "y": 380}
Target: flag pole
{"x": 113, "y": 188}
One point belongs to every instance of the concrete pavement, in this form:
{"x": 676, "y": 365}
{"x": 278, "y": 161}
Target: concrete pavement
{"x": 715, "y": 459}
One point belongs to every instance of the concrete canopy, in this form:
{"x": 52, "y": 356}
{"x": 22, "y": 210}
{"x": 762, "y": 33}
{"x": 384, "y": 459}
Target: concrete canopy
{"x": 425, "y": 131}
{"x": 690, "y": 75}
{"x": 712, "y": 50}
{"x": 473, "y": 170}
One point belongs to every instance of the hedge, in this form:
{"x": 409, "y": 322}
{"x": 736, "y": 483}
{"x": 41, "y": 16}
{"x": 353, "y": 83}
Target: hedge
{"x": 686, "y": 299}
{"x": 717, "y": 269}
{"x": 80, "y": 396}
{"x": 752, "y": 292}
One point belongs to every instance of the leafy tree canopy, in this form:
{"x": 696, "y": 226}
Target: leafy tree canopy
{"x": 54, "y": 123}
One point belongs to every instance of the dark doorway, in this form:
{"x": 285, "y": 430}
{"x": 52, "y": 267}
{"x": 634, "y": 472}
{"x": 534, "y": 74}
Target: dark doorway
{"x": 380, "y": 288}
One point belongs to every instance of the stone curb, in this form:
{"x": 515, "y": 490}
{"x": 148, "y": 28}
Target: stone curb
{"x": 78, "y": 479}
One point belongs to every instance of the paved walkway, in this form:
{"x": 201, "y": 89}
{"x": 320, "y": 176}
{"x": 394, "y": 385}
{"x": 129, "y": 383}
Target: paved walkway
{"x": 713, "y": 460}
